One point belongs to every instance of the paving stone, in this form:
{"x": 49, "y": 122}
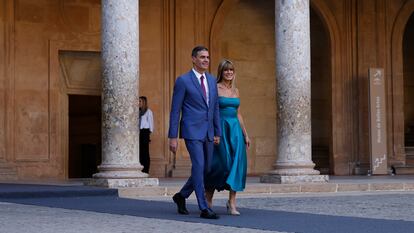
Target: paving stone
{"x": 318, "y": 188}
{"x": 352, "y": 187}
{"x": 382, "y": 187}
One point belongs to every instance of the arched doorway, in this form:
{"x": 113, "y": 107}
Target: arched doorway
{"x": 408, "y": 69}
{"x": 400, "y": 65}
{"x": 231, "y": 36}
{"x": 321, "y": 94}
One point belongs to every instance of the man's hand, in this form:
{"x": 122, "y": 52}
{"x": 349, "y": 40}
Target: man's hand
{"x": 173, "y": 145}
{"x": 216, "y": 140}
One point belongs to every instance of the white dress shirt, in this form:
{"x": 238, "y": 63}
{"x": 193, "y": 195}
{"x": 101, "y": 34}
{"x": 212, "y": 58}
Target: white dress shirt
{"x": 198, "y": 75}
{"x": 147, "y": 121}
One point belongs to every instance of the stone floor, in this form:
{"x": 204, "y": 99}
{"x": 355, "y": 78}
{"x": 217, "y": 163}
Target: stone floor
{"x": 345, "y": 204}
{"x": 342, "y": 212}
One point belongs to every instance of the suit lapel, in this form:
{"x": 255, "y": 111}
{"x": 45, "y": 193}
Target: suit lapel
{"x": 197, "y": 85}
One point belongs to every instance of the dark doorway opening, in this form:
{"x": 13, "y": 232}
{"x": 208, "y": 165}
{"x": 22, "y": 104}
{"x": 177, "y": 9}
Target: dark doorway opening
{"x": 408, "y": 56}
{"x": 321, "y": 95}
{"x": 84, "y": 135}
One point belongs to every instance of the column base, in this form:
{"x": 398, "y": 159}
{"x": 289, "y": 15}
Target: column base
{"x": 121, "y": 176}
{"x": 293, "y": 179}
{"x": 123, "y": 183}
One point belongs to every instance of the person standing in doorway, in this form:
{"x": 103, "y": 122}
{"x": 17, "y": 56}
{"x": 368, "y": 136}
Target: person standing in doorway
{"x": 195, "y": 111}
{"x": 146, "y": 127}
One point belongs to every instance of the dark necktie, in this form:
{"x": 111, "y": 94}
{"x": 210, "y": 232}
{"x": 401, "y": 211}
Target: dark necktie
{"x": 203, "y": 88}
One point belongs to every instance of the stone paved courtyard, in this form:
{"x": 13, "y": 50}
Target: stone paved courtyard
{"x": 388, "y": 207}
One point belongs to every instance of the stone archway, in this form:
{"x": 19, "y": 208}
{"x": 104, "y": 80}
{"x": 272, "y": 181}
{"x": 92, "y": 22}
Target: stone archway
{"x": 337, "y": 148}
{"x": 321, "y": 94}
{"x": 340, "y": 156}
{"x": 408, "y": 68}
{"x": 216, "y": 28}
{"x": 397, "y": 119}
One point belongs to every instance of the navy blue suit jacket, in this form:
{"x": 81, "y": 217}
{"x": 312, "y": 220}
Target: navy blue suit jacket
{"x": 189, "y": 109}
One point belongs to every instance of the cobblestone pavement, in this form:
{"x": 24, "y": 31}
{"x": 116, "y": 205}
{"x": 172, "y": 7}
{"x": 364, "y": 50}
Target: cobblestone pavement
{"x": 376, "y": 205}
{"x": 379, "y": 205}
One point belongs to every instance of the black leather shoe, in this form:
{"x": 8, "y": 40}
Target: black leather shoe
{"x": 209, "y": 214}
{"x": 180, "y": 201}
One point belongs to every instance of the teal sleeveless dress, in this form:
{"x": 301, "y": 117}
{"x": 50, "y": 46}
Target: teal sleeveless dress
{"x": 229, "y": 164}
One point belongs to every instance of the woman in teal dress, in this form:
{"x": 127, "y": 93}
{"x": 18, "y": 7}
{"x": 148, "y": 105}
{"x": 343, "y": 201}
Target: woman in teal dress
{"x": 229, "y": 166}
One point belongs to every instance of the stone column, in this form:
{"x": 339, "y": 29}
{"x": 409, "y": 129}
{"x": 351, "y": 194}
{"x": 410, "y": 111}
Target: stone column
{"x": 120, "y": 60}
{"x": 294, "y": 163}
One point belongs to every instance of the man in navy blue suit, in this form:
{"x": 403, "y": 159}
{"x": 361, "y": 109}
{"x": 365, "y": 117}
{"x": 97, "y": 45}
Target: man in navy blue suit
{"x": 195, "y": 113}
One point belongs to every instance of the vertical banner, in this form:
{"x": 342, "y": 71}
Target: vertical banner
{"x": 378, "y": 136}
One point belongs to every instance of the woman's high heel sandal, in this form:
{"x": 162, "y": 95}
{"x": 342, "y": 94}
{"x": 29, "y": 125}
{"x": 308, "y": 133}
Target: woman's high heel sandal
{"x": 231, "y": 211}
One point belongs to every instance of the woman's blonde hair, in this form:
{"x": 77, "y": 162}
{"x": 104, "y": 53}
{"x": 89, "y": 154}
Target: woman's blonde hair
{"x": 225, "y": 64}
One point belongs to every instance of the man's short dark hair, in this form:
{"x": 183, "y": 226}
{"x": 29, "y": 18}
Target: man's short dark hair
{"x": 198, "y": 49}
